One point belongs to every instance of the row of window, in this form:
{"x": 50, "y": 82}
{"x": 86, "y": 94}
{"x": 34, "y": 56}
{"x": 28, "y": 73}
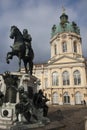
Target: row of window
{"x": 66, "y": 98}
{"x": 64, "y": 47}
{"x": 65, "y": 78}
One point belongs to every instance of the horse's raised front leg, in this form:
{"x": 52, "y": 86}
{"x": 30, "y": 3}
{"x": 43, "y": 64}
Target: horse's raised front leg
{"x": 9, "y": 56}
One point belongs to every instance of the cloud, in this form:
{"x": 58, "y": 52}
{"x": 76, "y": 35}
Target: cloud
{"x": 38, "y": 17}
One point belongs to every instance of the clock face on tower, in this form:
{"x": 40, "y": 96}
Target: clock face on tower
{"x": 64, "y": 36}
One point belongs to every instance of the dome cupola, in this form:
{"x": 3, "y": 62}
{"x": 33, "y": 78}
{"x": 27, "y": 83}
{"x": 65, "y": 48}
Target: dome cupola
{"x": 65, "y": 26}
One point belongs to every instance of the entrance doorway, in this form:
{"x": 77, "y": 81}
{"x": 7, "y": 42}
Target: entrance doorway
{"x": 66, "y": 98}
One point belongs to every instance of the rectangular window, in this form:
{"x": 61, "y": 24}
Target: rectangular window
{"x": 75, "y": 47}
{"x": 64, "y": 47}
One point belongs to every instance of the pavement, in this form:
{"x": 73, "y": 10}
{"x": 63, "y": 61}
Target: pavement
{"x": 66, "y": 117}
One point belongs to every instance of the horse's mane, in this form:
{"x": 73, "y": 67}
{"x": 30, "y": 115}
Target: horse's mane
{"x": 15, "y": 27}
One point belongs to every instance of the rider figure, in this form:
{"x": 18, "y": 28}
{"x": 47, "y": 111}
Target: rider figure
{"x": 27, "y": 39}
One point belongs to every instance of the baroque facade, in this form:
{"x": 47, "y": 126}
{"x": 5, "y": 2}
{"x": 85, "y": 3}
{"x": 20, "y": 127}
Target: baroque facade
{"x": 63, "y": 77}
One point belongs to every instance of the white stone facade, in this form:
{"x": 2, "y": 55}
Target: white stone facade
{"x": 63, "y": 77}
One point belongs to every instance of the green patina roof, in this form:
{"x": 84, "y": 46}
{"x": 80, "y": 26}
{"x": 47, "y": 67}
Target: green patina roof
{"x": 65, "y": 26}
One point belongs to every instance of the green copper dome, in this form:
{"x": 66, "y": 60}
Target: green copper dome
{"x": 65, "y": 26}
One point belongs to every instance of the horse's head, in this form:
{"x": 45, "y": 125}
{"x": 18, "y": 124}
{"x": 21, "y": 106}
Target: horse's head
{"x": 13, "y": 31}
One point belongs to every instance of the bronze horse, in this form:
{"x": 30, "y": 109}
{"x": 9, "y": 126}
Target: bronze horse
{"x": 19, "y": 50}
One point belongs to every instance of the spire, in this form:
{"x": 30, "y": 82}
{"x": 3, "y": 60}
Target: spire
{"x": 63, "y": 10}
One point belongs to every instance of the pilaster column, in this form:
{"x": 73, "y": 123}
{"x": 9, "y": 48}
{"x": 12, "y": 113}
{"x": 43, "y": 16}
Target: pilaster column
{"x": 42, "y": 78}
{"x": 60, "y": 86}
{"x": 71, "y": 78}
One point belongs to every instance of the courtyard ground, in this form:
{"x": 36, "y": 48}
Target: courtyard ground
{"x": 66, "y": 117}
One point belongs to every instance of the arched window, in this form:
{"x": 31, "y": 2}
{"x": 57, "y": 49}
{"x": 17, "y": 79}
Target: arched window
{"x": 55, "y": 79}
{"x": 77, "y": 77}
{"x": 55, "y": 49}
{"x": 66, "y": 80}
{"x": 75, "y": 47}
{"x": 78, "y": 98}
{"x": 64, "y": 47}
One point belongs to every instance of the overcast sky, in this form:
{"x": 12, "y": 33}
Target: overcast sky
{"x": 38, "y": 16}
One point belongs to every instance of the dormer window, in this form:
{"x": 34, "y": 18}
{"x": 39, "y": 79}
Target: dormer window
{"x": 64, "y": 47}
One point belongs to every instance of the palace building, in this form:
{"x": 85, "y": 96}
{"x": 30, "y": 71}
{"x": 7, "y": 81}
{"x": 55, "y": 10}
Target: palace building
{"x": 64, "y": 77}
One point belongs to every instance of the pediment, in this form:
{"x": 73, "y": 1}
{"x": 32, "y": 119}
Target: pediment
{"x": 65, "y": 60}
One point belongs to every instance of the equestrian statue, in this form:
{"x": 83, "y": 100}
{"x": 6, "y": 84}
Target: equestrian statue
{"x": 21, "y": 48}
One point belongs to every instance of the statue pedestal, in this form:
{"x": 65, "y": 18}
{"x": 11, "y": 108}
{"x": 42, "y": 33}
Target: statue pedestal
{"x": 30, "y": 117}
